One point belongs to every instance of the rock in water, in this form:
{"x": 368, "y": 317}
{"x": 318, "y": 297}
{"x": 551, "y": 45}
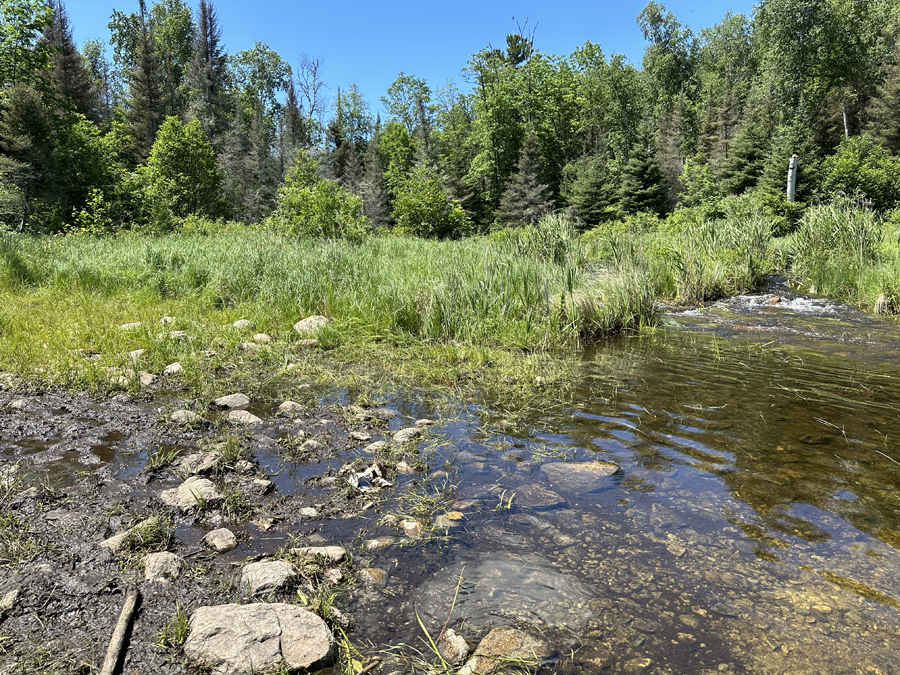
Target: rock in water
{"x": 578, "y": 475}
{"x": 407, "y": 435}
{"x": 242, "y": 639}
{"x": 536, "y": 497}
{"x": 499, "y": 647}
{"x": 310, "y": 323}
{"x": 221, "y": 540}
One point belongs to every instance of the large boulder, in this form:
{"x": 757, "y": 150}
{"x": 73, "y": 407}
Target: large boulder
{"x": 258, "y": 638}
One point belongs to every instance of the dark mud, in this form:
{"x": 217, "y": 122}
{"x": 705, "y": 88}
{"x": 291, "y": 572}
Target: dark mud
{"x": 77, "y": 470}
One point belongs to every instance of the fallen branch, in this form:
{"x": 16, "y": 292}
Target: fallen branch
{"x": 118, "y": 636}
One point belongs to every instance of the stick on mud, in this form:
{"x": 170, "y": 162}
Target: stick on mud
{"x": 118, "y": 636}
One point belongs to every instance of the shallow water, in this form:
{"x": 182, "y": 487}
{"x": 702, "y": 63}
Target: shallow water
{"x": 752, "y": 526}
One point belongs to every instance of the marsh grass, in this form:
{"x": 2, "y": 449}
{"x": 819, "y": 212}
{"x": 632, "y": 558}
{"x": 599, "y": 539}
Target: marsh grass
{"x": 18, "y": 544}
{"x": 64, "y": 300}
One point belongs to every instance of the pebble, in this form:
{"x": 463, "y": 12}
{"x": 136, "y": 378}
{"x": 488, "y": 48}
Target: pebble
{"x": 172, "y": 368}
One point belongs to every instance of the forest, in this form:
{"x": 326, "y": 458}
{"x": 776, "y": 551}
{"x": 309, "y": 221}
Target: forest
{"x": 175, "y": 132}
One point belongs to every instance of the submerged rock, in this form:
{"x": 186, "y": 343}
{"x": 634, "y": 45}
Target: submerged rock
{"x": 501, "y": 646}
{"x": 536, "y": 497}
{"x": 578, "y": 475}
{"x": 453, "y": 647}
{"x": 258, "y": 638}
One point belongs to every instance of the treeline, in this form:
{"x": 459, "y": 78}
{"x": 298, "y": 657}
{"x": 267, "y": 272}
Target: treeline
{"x": 174, "y": 127}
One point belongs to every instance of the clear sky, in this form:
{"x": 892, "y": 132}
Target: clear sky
{"x": 369, "y": 43}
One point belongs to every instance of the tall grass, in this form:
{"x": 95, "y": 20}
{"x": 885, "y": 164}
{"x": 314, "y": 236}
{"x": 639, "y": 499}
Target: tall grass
{"x": 64, "y": 297}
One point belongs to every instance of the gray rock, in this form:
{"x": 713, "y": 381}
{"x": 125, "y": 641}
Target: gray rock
{"x": 290, "y": 408}
{"x": 162, "y": 567}
{"x": 258, "y": 638}
{"x": 360, "y": 436}
{"x": 261, "y": 485}
{"x": 262, "y": 338}
{"x": 267, "y": 576}
{"x": 186, "y": 417}
{"x": 221, "y": 540}
{"x": 308, "y": 512}
{"x": 147, "y": 379}
{"x": 311, "y": 446}
{"x": 578, "y": 475}
{"x": 18, "y": 404}
{"x": 403, "y": 467}
{"x": 242, "y": 417}
{"x": 452, "y": 647}
{"x": 306, "y": 343}
{"x": 499, "y": 646}
{"x": 172, "y": 368}
{"x": 242, "y": 324}
{"x": 250, "y": 346}
{"x": 116, "y": 542}
{"x": 378, "y": 543}
{"x": 136, "y": 354}
{"x": 372, "y": 448}
{"x": 8, "y": 601}
{"x": 199, "y": 463}
{"x": 192, "y": 494}
{"x": 131, "y": 326}
{"x": 166, "y": 320}
{"x": 310, "y": 324}
{"x": 332, "y": 553}
{"x": 407, "y": 435}
{"x": 233, "y": 401}
{"x": 424, "y": 423}
{"x": 177, "y": 335}
{"x": 411, "y": 528}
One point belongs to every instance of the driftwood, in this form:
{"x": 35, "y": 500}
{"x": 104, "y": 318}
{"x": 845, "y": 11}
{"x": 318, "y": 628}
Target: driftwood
{"x": 118, "y": 636}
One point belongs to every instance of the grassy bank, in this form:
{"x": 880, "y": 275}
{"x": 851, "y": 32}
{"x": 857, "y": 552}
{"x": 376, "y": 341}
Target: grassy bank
{"x": 497, "y": 311}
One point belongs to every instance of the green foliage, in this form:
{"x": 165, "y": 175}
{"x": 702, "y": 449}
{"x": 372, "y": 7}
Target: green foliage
{"x": 182, "y": 173}
{"x": 22, "y": 54}
{"x": 861, "y": 166}
{"x": 309, "y": 206}
{"x": 423, "y": 208}
{"x": 642, "y": 186}
{"x": 699, "y": 185}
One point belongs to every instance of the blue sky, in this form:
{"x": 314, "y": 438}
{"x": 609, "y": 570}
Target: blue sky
{"x": 370, "y": 43}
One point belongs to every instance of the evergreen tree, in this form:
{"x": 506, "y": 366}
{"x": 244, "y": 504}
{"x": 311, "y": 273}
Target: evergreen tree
{"x": 593, "y": 193}
{"x": 145, "y": 104}
{"x": 789, "y": 140}
{"x": 747, "y": 156}
{"x": 207, "y": 73}
{"x": 525, "y": 199}
{"x": 884, "y": 113}
{"x": 94, "y": 54}
{"x": 643, "y": 186}
{"x": 234, "y": 160}
{"x": 70, "y": 78}
{"x": 26, "y": 153}
{"x": 372, "y": 188}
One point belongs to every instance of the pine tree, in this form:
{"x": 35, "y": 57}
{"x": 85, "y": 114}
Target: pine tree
{"x": 747, "y": 156}
{"x": 525, "y": 199}
{"x": 69, "y": 75}
{"x": 234, "y": 160}
{"x": 643, "y": 186}
{"x": 789, "y": 140}
{"x": 145, "y": 103}
{"x": 207, "y": 72}
{"x": 261, "y": 193}
{"x": 26, "y": 153}
{"x": 592, "y": 192}
{"x": 884, "y": 113}
{"x": 372, "y": 188}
